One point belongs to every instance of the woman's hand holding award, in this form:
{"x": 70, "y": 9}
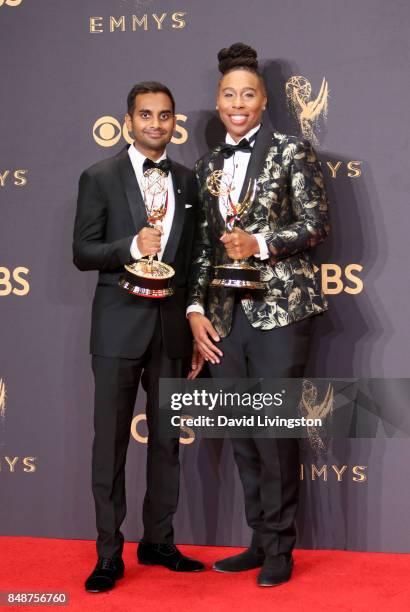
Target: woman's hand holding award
{"x": 240, "y": 274}
{"x": 149, "y": 277}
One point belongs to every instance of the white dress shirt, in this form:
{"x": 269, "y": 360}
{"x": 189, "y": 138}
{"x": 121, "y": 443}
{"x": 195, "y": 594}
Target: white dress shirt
{"x": 236, "y": 166}
{"x": 137, "y": 160}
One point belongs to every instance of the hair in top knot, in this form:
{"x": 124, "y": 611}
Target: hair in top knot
{"x": 237, "y": 55}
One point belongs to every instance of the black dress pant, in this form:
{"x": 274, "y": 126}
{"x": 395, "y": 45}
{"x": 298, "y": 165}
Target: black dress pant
{"x": 268, "y": 468}
{"x": 116, "y": 386}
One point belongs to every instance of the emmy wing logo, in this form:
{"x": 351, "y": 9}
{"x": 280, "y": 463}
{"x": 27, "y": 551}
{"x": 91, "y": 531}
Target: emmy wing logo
{"x": 307, "y": 112}
{"x": 310, "y": 407}
{"x": 2, "y": 410}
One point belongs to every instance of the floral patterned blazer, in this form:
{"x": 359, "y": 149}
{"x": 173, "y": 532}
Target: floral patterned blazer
{"x": 290, "y": 209}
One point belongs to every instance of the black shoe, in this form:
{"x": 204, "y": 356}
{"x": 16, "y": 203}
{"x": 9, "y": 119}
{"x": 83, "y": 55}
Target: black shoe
{"x": 247, "y": 560}
{"x": 106, "y": 572}
{"x": 167, "y": 555}
{"x": 276, "y": 570}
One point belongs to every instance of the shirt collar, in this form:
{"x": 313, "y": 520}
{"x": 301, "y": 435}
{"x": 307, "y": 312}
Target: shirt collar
{"x": 137, "y": 158}
{"x": 230, "y": 140}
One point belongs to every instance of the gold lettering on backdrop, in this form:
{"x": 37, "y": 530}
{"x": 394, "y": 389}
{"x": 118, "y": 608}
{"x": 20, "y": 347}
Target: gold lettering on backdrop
{"x": 323, "y": 473}
{"x": 357, "y": 282}
{"x": 190, "y": 438}
{"x": 20, "y": 178}
{"x": 107, "y": 131}
{"x": 316, "y": 473}
{"x": 96, "y": 26}
{"x": 22, "y": 282}
{"x": 3, "y": 177}
{"x": 147, "y": 21}
{"x": 331, "y": 275}
{"x": 120, "y": 23}
{"x": 332, "y": 283}
{"x": 354, "y": 169}
{"x": 29, "y": 464}
{"x": 335, "y": 168}
{"x": 178, "y": 20}
{"x": 23, "y": 287}
{"x": 339, "y": 472}
{"x": 126, "y": 135}
{"x": 139, "y": 418}
{"x": 139, "y": 22}
{"x": 359, "y": 475}
{"x": 134, "y": 431}
{"x": 159, "y": 20}
{"x": 183, "y": 134}
{"x": 11, "y": 462}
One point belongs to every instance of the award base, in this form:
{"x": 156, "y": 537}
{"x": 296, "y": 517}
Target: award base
{"x": 149, "y": 279}
{"x": 237, "y": 276}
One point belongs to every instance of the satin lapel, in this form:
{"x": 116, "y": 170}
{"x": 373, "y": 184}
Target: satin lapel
{"x": 179, "y": 216}
{"x": 216, "y": 163}
{"x": 260, "y": 150}
{"x": 132, "y": 190}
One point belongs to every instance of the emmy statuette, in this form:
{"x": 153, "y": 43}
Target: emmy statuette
{"x": 148, "y": 277}
{"x": 240, "y": 274}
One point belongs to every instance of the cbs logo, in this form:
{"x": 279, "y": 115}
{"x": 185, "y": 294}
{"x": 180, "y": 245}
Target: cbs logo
{"x": 334, "y": 279}
{"x": 107, "y": 131}
{"x": 10, "y": 2}
{"x": 187, "y": 434}
{"x": 13, "y": 281}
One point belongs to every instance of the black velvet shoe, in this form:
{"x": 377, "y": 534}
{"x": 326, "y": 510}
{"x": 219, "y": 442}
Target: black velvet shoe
{"x": 246, "y": 560}
{"x": 106, "y": 572}
{"x": 276, "y": 570}
{"x": 167, "y": 555}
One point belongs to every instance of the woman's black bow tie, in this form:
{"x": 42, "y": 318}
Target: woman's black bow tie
{"x": 227, "y": 150}
{"x": 163, "y": 165}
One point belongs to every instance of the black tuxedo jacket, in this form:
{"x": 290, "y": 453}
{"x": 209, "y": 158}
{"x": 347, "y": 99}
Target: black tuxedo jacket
{"x": 110, "y": 212}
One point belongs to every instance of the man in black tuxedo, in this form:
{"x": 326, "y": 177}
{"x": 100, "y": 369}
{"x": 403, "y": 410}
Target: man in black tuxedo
{"x": 135, "y": 336}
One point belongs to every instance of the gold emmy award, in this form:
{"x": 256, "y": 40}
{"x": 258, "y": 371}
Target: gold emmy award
{"x": 240, "y": 274}
{"x": 148, "y": 277}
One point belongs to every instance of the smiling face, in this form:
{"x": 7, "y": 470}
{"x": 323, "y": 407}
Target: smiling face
{"x": 152, "y": 123}
{"x": 241, "y": 100}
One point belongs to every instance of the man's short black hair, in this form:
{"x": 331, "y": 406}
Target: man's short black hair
{"x": 147, "y": 87}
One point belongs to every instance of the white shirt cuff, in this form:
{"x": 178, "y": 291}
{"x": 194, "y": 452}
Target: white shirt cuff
{"x": 263, "y": 247}
{"x": 134, "y": 250}
{"x": 195, "y": 308}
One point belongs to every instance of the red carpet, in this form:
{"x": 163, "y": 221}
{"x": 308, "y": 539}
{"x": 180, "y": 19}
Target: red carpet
{"x": 322, "y": 581}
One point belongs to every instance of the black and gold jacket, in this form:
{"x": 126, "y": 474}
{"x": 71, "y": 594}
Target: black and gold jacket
{"x": 290, "y": 210}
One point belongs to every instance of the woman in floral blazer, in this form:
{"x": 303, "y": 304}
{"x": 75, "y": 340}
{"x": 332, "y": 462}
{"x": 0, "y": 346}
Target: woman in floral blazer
{"x": 266, "y": 333}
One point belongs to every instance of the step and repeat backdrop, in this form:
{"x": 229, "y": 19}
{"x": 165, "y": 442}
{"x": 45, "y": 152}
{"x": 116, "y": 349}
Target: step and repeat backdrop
{"x": 337, "y": 74}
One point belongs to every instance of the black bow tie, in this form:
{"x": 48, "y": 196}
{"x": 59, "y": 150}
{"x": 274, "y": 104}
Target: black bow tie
{"x": 163, "y": 165}
{"x": 227, "y": 150}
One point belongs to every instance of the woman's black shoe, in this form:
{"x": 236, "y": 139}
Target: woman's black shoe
{"x": 246, "y": 560}
{"x": 276, "y": 570}
{"x": 167, "y": 555}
